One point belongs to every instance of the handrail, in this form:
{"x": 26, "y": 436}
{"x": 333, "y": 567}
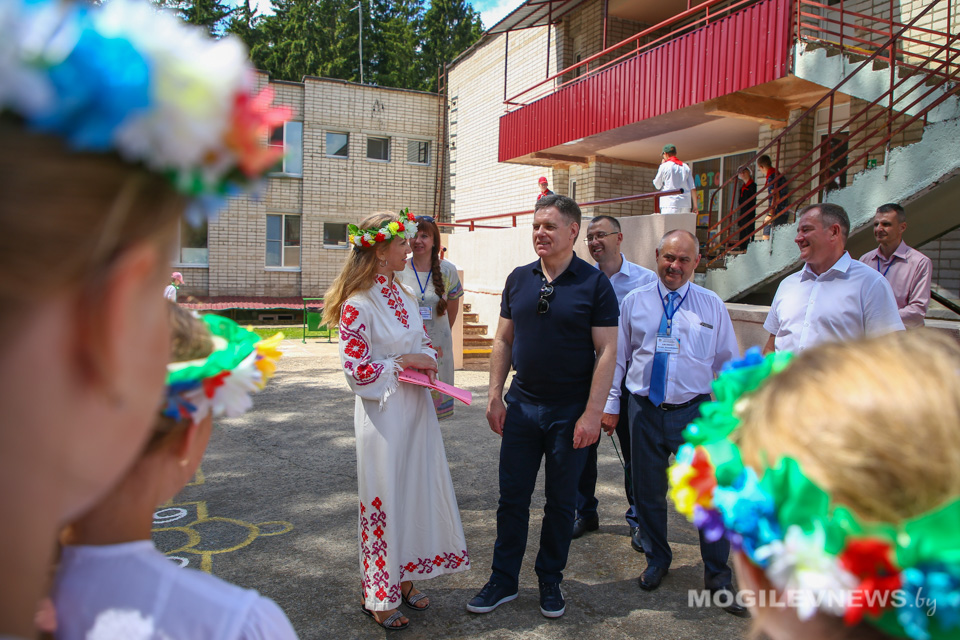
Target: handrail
{"x": 680, "y": 17}
{"x": 720, "y": 231}
{"x": 837, "y": 169}
{"x": 594, "y": 203}
{"x": 947, "y": 302}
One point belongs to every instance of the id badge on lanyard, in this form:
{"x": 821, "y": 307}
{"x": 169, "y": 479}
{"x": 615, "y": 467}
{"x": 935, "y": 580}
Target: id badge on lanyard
{"x": 667, "y": 344}
{"x": 426, "y": 313}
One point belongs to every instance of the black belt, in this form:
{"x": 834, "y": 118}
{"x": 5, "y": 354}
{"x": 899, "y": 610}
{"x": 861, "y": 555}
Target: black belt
{"x": 683, "y": 405}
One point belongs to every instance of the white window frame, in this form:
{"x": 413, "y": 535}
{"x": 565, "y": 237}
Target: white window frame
{"x": 387, "y": 139}
{"x": 283, "y": 225}
{"x": 336, "y": 247}
{"x": 292, "y": 134}
{"x": 419, "y": 141}
{"x": 198, "y": 265}
{"x": 326, "y": 144}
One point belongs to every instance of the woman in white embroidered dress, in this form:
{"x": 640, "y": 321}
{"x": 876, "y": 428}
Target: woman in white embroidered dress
{"x": 409, "y": 522}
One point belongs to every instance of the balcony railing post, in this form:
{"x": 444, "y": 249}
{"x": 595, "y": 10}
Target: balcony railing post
{"x": 514, "y": 218}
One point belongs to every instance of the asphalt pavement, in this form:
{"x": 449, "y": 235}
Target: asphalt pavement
{"x": 274, "y": 508}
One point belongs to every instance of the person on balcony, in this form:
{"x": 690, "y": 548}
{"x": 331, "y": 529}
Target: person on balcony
{"x": 908, "y": 271}
{"x": 776, "y": 186}
{"x": 554, "y": 405}
{"x": 603, "y": 239}
{"x": 833, "y": 298}
{"x": 674, "y": 337}
{"x": 746, "y": 210}
{"x": 672, "y": 175}
{"x": 544, "y": 189}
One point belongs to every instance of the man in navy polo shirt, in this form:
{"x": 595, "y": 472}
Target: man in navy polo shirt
{"x": 558, "y": 328}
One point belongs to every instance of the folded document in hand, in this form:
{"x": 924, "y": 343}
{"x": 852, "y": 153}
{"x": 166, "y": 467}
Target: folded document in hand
{"x": 415, "y": 377}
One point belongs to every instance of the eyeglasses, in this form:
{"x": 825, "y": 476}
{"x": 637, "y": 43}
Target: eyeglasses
{"x": 425, "y": 219}
{"x": 599, "y": 235}
{"x": 543, "y": 305}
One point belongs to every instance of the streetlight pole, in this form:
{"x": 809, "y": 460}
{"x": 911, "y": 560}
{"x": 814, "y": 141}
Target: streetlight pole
{"x": 360, "y": 36}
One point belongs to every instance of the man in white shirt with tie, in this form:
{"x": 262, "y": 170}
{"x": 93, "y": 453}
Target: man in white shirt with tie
{"x": 674, "y": 337}
{"x": 834, "y": 297}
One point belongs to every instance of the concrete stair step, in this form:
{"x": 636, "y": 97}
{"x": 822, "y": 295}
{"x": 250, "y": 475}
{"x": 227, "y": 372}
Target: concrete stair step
{"x": 466, "y": 307}
{"x": 473, "y": 342}
{"x": 475, "y": 354}
{"x": 474, "y": 329}
{"x": 471, "y": 318}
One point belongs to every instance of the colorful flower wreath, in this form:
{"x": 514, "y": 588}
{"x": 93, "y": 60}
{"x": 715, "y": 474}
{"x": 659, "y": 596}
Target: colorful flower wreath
{"x": 128, "y": 78}
{"x": 903, "y": 578}
{"x": 405, "y": 224}
{"x": 221, "y": 383}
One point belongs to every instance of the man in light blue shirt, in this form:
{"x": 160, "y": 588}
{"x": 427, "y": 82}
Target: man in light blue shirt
{"x": 603, "y": 240}
{"x": 675, "y": 336}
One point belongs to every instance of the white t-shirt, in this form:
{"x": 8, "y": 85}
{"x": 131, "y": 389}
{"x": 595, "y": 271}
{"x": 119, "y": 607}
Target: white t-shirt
{"x": 170, "y": 293}
{"x": 133, "y": 591}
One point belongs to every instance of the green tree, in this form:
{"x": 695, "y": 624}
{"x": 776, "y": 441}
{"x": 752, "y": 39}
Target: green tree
{"x": 245, "y": 24}
{"x": 209, "y": 14}
{"x": 391, "y": 43}
{"x": 449, "y": 28}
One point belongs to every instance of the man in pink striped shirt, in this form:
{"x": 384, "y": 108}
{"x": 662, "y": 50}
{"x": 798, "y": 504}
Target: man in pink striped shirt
{"x": 907, "y": 270}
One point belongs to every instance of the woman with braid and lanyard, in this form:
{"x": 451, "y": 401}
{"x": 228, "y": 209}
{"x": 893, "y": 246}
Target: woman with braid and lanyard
{"x": 437, "y": 287}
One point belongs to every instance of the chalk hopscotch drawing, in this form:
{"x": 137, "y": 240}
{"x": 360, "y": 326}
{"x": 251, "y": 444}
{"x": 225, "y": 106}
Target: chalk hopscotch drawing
{"x": 181, "y": 538}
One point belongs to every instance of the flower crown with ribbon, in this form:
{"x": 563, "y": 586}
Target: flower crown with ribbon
{"x": 404, "y": 225}
{"x": 127, "y": 78}
{"x": 904, "y": 578}
{"x": 221, "y": 383}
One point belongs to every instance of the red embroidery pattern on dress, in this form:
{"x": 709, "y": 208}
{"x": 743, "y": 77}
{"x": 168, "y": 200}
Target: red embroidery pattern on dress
{"x": 356, "y": 349}
{"x": 427, "y": 565}
{"x": 394, "y": 301}
{"x": 376, "y": 578}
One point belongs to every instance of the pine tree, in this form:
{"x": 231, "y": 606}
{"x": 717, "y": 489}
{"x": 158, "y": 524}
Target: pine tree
{"x": 393, "y": 43}
{"x": 449, "y": 28}
{"x": 210, "y": 14}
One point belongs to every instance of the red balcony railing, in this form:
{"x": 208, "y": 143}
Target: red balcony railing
{"x": 921, "y": 75}
{"x": 716, "y": 48}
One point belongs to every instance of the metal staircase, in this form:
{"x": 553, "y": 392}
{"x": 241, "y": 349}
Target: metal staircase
{"x": 901, "y": 140}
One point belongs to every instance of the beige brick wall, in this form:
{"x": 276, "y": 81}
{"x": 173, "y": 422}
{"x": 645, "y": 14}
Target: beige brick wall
{"x": 945, "y": 255}
{"x": 331, "y": 190}
{"x": 479, "y": 184}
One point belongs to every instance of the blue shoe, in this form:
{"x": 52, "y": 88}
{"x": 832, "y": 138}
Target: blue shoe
{"x": 552, "y": 604}
{"x": 490, "y": 597}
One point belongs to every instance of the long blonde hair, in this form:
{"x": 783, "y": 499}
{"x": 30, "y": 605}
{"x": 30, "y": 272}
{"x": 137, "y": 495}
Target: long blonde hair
{"x": 65, "y": 215}
{"x": 358, "y": 272}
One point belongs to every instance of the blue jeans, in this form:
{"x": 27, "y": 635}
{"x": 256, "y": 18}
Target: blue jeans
{"x": 657, "y": 433}
{"x": 587, "y": 488}
{"x": 530, "y": 433}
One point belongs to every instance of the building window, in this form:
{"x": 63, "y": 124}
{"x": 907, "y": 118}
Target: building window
{"x": 335, "y": 235}
{"x": 573, "y": 190}
{"x": 283, "y": 241}
{"x": 418, "y": 151}
{"x": 193, "y": 244}
{"x": 338, "y": 145}
{"x": 289, "y": 137}
{"x": 378, "y": 149}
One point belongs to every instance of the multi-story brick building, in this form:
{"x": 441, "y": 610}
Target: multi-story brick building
{"x": 587, "y": 92}
{"x": 350, "y": 150}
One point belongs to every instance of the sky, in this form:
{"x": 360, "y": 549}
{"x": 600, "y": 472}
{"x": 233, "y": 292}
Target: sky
{"x": 491, "y": 11}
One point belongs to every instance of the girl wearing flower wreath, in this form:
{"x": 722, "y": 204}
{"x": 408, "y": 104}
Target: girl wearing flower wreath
{"x": 437, "y": 287}
{"x": 215, "y": 365}
{"x": 409, "y": 526}
{"x": 836, "y": 476}
{"x": 114, "y": 122}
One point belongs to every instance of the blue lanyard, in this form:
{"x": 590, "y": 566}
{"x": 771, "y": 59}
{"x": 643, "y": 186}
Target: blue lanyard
{"x": 884, "y": 273}
{"x": 423, "y": 287}
{"x": 675, "y": 309}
